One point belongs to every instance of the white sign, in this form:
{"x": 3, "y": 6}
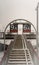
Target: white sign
{"x": 20, "y": 29}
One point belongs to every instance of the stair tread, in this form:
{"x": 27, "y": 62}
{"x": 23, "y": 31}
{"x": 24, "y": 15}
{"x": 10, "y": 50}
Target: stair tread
{"x": 17, "y": 54}
{"x": 17, "y": 59}
{"x": 17, "y": 62}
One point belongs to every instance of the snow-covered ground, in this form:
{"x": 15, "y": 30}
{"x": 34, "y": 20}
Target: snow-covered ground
{"x": 7, "y": 42}
{"x": 1, "y": 55}
{"x": 33, "y": 41}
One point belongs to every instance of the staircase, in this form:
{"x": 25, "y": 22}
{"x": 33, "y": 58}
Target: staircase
{"x": 17, "y": 57}
{"x": 19, "y": 53}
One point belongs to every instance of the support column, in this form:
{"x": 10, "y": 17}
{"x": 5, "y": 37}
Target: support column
{"x": 38, "y": 28}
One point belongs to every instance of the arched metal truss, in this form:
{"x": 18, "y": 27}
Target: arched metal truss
{"x": 14, "y": 21}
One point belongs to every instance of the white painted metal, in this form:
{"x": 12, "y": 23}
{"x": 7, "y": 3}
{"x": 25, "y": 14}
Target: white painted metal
{"x": 38, "y": 29}
{"x": 20, "y": 29}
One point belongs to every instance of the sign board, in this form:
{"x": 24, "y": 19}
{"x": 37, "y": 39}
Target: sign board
{"x": 26, "y": 28}
{"x": 13, "y": 28}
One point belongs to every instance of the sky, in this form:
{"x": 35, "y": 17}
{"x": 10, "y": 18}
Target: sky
{"x": 17, "y": 9}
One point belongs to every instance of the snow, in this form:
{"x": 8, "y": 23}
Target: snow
{"x": 1, "y": 55}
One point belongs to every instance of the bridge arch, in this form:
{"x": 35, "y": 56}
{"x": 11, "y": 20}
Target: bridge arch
{"x": 14, "y": 21}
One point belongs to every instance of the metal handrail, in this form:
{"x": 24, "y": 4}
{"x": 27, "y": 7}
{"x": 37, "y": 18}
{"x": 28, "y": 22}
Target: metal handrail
{"x": 24, "y": 42}
{"x": 35, "y": 59}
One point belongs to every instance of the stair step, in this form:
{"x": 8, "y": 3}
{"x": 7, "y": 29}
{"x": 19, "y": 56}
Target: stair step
{"x": 17, "y": 54}
{"x": 21, "y": 50}
{"x": 18, "y": 51}
{"x": 16, "y": 59}
{"x": 17, "y": 62}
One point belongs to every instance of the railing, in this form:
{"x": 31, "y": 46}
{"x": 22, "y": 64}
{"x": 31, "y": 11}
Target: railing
{"x": 33, "y": 52}
{"x": 26, "y": 48}
{"x": 9, "y": 35}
